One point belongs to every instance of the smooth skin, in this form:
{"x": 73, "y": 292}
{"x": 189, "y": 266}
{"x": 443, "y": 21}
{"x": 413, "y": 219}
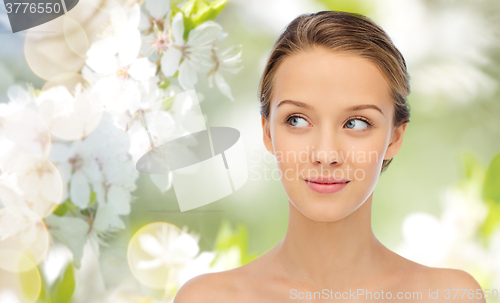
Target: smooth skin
{"x": 329, "y": 243}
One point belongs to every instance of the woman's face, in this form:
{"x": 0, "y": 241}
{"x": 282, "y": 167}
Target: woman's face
{"x": 331, "y": 116}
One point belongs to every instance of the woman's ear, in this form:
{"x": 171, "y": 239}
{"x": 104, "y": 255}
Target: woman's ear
{"x": 396, "y": 142}
{"x": 266, "y": 130}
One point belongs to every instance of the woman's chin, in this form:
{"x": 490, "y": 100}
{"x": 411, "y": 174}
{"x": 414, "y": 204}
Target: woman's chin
{"x": 321, "y": 212}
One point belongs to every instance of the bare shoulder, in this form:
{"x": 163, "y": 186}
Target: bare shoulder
{"x": 451, "y": 285}
{"x": 209, "y": 287}
{"x": 452, "y": 277}
{"x": 443, "y": 277}
{"x": 235, "y": 285}
{"x": 448, "y": 284}
{"x": 457, "y": 284}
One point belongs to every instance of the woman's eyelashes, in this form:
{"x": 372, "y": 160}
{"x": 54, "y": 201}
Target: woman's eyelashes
{"x": 362, "y": 124}
{"x": 356, "y": 123}
{"x": 296, "y": 121}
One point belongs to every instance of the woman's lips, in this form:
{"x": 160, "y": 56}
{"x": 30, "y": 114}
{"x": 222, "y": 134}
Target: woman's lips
{"x": 326, "y": 188}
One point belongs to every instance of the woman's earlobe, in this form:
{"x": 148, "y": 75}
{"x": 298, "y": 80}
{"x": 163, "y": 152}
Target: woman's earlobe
{"x": 268, "y": 143}
{"x": 396, "y": 142}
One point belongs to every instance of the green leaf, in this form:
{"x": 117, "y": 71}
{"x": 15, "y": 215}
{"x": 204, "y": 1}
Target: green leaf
{"x": 209, "y": 12}
{"x": 227, "y": 238}
{"x": 223, "y": 236}
{"x": 164, "y": 84}
{"x": 175, "y": 3}
{"x": 491, "y": 186}
{"x": 198, "y": 11}
{"x": 93, "y": 197}
{"x": 86, "y": 212}
{"x": 66, "y": 206}
{"x": 188, "y": 7}
{"x": 473, "y": 168}
{"x": 188, "y": 26}
{"x": 491, "y": 222}
{"x": 200, "y": 7}
{"x": 44, "y": 296}
{"x": 167, "y": 103}
{"x": 352, "y": 6}
{"x": 491, "y": 196}
{"x": 61, "y": 210}
{"x": 63, "y": 287}
{"x": 30, "y": 280}
{"x": 175, "y": 10}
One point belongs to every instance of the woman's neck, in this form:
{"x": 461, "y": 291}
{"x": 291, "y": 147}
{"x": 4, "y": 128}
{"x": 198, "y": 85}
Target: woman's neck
{"x": 340, "y": 253}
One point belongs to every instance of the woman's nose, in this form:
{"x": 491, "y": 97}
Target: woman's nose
{"x": 326, "y": 149}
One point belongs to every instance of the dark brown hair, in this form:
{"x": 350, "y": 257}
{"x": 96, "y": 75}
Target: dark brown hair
{"x": 347, "y": 33}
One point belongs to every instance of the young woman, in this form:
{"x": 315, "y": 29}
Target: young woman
{"x": 334, "y": 112}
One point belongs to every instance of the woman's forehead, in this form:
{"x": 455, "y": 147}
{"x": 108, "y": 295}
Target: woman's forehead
{"x": 319, "y": 75}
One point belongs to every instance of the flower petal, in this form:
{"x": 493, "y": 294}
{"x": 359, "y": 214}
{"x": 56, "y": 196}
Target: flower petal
{"x": 142, "y": 69}
{"x": 79, "y": 190}
{"x": 185, "y": 246}
{"x": 178, "y": 29}
{"x": 103, "y": 64}
{"x": 106, "y": 219}
{"x": 59, "y": 152}
{"x": 129, "y": 44}
{"x": 70, "y": 231}
{"x": 91, "y": 169}
{"x": 149, "y": 264}
{"x": 143, "y": 22}
{"x": 162, "y": 181}
{"x": 204, "y": 33}
{"x": 187, "y": 75}
{"x": 134, "y": 17}
{"x": 104, "y": 47}
{"x": 158, "y": 8}
{"x": 119, "y": 200}
{"x": 151, "y": 245}
{"x": 170, "y": 61}
{"x": 223, "y": 86}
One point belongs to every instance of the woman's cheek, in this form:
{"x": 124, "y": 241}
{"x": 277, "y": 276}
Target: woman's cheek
{"x": 366, "y": 150}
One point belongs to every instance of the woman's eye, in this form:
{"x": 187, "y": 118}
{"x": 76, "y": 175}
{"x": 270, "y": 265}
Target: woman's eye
{"x": 356, "y": 124}
{"x": 297, "y": 121}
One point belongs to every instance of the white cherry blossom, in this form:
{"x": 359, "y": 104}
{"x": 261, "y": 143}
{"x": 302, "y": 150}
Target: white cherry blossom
{"x": 100, "y": 163}
{"x": 191, "y": 56}
{"x": 69, "y": 117}
{"x": 228, "y": 60}
{"x": 122, "y": 75}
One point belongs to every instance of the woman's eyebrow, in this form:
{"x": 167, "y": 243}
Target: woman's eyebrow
{"x": 364, "y": 106}
{"x": 349, "y": 109}
{"x": 296, "y": 103}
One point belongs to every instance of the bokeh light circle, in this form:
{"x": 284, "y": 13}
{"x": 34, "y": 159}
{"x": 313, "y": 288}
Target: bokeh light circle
{"x": 75, "y": 36}
{"x": 19, "y": 285}
{"x": 150, "y": 270}
{"x": 39, "y": 186}
{"x": 68, "y": 80}
{"x": 26, "y": 129}
{"x": 22, "y": 235}
{"x": 70, "y": 116}
{"x": 47, "y": 51}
